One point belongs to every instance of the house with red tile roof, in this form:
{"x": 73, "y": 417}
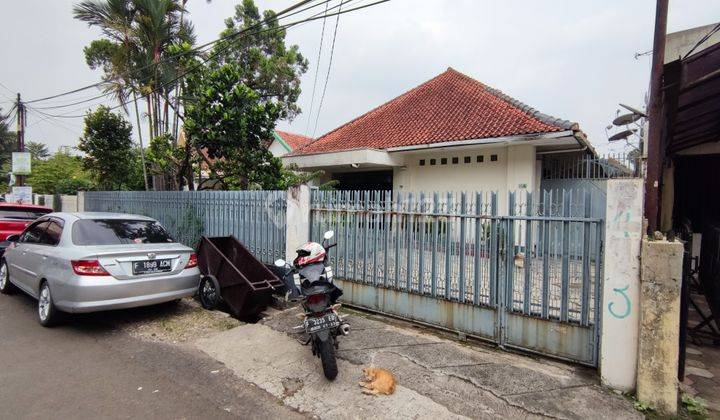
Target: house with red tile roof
{"x": 451, "y": 133}
{"x": 284, "y": 142}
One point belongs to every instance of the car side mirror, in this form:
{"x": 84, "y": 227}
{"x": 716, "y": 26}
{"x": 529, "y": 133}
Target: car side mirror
{"x": 280, "y": 263}
{"x": 13, "y": 238}
{"x": 329, "y": 234}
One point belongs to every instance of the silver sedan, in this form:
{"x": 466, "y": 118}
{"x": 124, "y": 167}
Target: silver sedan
{"x": 87, "y": 262}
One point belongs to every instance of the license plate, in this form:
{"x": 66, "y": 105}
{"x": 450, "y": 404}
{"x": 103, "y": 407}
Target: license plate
{"x": 151, "y": 266}
{"x": 325, "y": 322}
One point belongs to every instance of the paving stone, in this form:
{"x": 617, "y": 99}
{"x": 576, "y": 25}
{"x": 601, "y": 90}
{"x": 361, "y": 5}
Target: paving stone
{"x": 448, "y": 354}
{"x": 694, "y": 363}
{"x": 501, "y": 379}
{"x": 693, "y": 351}
{"x": 703, "y": 373}
{"x": 585, "y": 402}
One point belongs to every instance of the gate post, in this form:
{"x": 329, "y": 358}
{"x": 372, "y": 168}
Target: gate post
{"x": 297, "y": 219}
{"x": 619, "y": 314}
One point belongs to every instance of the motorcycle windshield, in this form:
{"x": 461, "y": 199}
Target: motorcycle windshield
{"x": 312, "y": 272}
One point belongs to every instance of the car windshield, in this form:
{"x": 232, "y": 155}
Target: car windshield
{"x": 20, "y": 213}
{"x": 118, "y": 232}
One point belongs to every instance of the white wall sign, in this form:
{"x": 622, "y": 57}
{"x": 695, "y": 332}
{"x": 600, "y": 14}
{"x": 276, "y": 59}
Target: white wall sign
{"x": 21, "y": 163}
{"x": 22, "y": 195}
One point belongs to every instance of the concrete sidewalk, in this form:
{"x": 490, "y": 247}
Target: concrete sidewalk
{"x": 437, "y": 377}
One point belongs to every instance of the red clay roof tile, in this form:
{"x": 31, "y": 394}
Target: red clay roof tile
{"x": 449, "y": 107}
{"x": 294, "y": 140}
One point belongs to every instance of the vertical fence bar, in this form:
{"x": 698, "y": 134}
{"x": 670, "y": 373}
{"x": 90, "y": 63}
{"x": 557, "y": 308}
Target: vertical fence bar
{"x": 346, "y": 247}
{"x": 565, "y": 298}
{"x": 510, "y": 253}
{"x": 366, "y": 222}
{"x": 461, "y": 268}
{"x": 546, "y": 255}
{"x": 494, "y": 237}
{"x": 409, "y": 227}
{"x": 398, "y": 224}
{"x": 584, "y": 309}
{"x": 388, "y": 220}
{"x": 528, "y": 253}
{"x": 478, "y": 239}
{"x": 376, "y": 215}
{"x": 433, "y": 255}
{"x": 448, "y": 249}
{"x": 421, "y": 245}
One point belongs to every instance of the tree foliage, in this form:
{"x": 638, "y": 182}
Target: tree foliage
{"x": 37, "y": 150}
{"x": 226, "y": 121}
{"x": 109, "y": 151}
{"x": 8, "y": 140}
{"x": 62, "y": 173}
{"x": 267, "y": 65}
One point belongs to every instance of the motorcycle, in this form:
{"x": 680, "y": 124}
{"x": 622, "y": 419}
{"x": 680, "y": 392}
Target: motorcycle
{"x": 309, "y": 280}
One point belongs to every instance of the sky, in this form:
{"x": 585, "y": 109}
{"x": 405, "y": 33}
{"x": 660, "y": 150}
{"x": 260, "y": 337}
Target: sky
{"x": 570, "y": 59}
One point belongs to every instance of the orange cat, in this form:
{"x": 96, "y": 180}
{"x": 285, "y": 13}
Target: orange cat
{"x": 377, "y": 381}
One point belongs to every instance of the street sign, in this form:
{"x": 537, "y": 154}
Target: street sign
{"x": 21, "y": 163}
{"x": 22, "y": 195}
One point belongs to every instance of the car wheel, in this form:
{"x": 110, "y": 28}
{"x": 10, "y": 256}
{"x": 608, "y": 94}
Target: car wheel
{"x": 209, "y": 293}
{"x": 6, "y": 287}
{"x": 48, "y": 314}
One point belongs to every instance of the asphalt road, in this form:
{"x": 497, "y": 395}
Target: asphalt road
{"x": 87, "y": 369}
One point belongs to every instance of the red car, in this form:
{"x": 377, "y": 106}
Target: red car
{"x": 15, "y": 217}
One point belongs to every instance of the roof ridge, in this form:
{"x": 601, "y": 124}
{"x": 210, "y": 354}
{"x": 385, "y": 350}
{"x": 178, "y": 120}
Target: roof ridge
{"x": 292, "y": 134}
{"x": 377, "y": 108}
{"x": 532, "y": 112}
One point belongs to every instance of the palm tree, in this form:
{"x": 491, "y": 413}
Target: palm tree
{"x": 134, "y": 54}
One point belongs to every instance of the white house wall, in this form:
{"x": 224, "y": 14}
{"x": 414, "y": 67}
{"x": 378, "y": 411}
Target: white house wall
{"x": 515, "y": 169}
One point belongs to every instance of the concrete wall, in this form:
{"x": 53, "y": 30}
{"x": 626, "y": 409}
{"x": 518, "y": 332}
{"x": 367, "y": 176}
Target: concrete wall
{"x": 277, "y": 149}
{"x": 657, "y": 383}
{"x": 620, "y": 314}
{"x": 297, "y": 219}
{"x": 679, "y": 43}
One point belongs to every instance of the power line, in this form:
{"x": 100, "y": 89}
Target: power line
{"x": 703, "y": 39}
{"x": 317, "y": 70}
{"x": 224, "y": 48}
{"x": 285, "y": 26}
{"x": 327, "y": 77}
{"x": 198, "y": 49}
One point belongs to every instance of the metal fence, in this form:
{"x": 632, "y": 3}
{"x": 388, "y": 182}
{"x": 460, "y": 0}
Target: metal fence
{"x": 257, "y": 218}
{"x": 619, "y": 165}
{"x": 541, "y": 260}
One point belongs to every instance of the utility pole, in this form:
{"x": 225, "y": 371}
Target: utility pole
{"x": 20, "y": 179}
{"x": 654, "y": 153}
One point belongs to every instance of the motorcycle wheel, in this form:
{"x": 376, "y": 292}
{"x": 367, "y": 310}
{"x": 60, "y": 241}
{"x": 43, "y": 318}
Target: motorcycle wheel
{"x": 327, "y": 357}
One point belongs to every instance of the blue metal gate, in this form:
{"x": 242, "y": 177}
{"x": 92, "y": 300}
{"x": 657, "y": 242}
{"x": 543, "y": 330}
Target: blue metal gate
{"x": 527, "y": 279}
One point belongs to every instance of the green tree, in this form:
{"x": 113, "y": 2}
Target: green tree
{"x": 62, "y": 173}
{"x": 138, "y": 35}
{"x": 37, "y": 150}
{"x": 228, "y": 121}
{"x": 109, "y": 150}
{"x": 8, "y": 144}
{"x": 267, "y": 65}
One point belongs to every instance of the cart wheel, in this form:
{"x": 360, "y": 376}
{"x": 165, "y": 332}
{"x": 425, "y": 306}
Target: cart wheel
{"x": 209, "y": 292}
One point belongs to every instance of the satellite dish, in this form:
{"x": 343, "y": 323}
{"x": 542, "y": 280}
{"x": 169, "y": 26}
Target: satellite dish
{"x": 634, "y": 110}
{"x": 626, "y": 119}
{"x": 622, "y": 135}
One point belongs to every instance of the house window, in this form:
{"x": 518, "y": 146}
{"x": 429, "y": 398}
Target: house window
{"x": 432, "y": 162}
{"x": 467, "y": 159}
{"x": 455, "y": 161}
{"x": 480, "y": 158}
{"x": 493, "y": 158}
{"x": 422, "y": 162}
{"x": 443, "y": 161}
